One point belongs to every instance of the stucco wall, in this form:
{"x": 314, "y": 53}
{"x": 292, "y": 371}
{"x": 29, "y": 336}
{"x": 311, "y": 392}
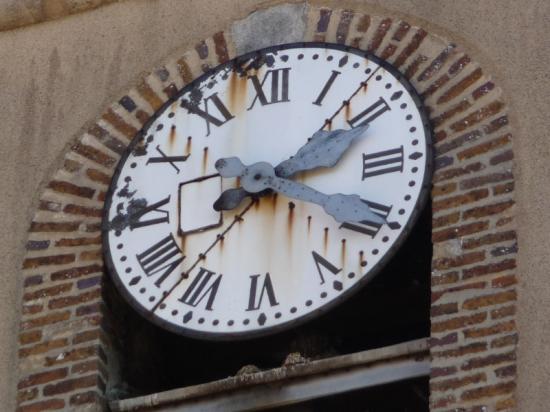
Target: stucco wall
{"x": 56, "y": 76}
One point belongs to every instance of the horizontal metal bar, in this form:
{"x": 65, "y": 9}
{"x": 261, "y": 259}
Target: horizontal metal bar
{"x": 311, "y": 380}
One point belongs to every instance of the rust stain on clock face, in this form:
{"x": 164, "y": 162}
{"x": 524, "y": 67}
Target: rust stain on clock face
{"x": 238, "y": 91}
{"x": 172, "y": 136}
{"x": 188, "y": 146}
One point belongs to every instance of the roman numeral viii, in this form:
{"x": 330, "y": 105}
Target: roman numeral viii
{"x": 387, "y": 161}
{"x": 277, "y": 87}
{"x": 369, "y": 228}
{"x": 204, "y": 285}
{"x": 161, "y": 259}
{"x": 259, "y": 290}
{"x": 214, "y": 111}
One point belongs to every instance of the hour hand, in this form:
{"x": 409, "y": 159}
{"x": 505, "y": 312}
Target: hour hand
{"x": 323, "y": 149}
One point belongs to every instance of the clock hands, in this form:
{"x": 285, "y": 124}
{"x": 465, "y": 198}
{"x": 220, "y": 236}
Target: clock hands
{"x": 323, "y": 149}
{"x": 261, "y": 176}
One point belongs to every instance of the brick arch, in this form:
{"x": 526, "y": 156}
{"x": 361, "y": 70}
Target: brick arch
{"x": 63, "y": 352}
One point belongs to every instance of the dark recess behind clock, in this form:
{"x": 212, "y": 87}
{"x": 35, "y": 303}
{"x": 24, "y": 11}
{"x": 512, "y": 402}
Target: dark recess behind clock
{"x": 392, "y": 308}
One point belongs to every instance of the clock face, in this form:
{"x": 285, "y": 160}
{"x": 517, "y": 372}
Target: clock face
{"x": 272, "y": 261}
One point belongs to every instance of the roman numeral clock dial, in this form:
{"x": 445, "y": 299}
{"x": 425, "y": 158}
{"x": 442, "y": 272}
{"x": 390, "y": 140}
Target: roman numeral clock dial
{"x": 269, "y": 189}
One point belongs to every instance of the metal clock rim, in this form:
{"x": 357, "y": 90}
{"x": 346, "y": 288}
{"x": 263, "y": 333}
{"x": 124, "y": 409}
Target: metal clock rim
{"x": 361, "y": 283}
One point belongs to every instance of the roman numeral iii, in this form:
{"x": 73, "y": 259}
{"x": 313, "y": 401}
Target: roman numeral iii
{"x": 387, "y": 161}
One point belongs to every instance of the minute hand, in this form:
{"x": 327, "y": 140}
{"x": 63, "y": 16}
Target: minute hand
{"x": 343, "y": 208}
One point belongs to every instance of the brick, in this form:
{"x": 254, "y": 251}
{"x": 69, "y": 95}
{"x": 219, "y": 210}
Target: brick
{"x": 94, "y": 154}
{"x": 443, "y": 189}
{"x": 466, "y": 259}
{"x": 82, "y": 210}
{"x": 459, "y": 231}
{"x": 27, "y": 395}
{"x": 476, "y": 285}
{"x": 491, "y": 330}
{"x": 504, "y": 281}
{"x": 379, "y": 34}
{"x": 489, "y": 300}
{"x": 150, "y": 96}
{"x": 119, "y": 124}
{"x": 455, "y": 383}
{"x": 442, "y": 402}
{"x": 54, "y": 226}
{"x": 42, "y": 377}
{"x": 483, "y": 180}
{"x": 54, "y": 317}
{"x": 443, "y": 309}
{"x": 46, "y": 405}
{"x": 49, "y": 206}
{"x": 503, "y": 189}
{"x": 128, "y": 103}
{"x": 504, "y": 221}
{"x": 184, "y": 71}
{"x": 442, "y": 162}
{"x": 445, "y": 278}
{"x": 33, "y": 280}
{"x": 459, "y": 200}
{"x": 483, "y": 90}
{"x": 388, "y": 51}
{"x": 488, "y": 391}
{"x": 71, "y": 165}
{"x": 43, "y": 347}
{"x": 459, "y": 65}
{"x": 31, "y": 263}
{"x": 442, "y": 341}
{"x": 220, "y": 46}
{"x": 81, "y": 241}
{"x": 508, "y": 404}
{"x": 85, "y": 398}
{"x": 50, "y": 291}
{"x": 437, "y": 63}
{"x": 445, "y": 220}
{"x": 492, "y": 359}
{"x": 489, "y": 210}
{"x": 458, "y": 322}
{"x": 71, "y": 189}
{"x": 86, "y": 336}
{"x": 489, "y": 239}
{"x": 484, "y": 147}
{"x": 71, "y": 355}
{"x": 505, "y": 156}
{"x": 506, "y": 371}
{"x": 343, "y": 26}
{"x": 106, "y": 139}
{"x": 87, "y": 367}
{"x": 93, "y": 227}
{"x": 504, "y": 250}
{"x": 477, "y": 116}
{"x": 30, "y": 337}
{"x": 435, "y": 86}
{"x": 438, "y": 372}
{"x": 88, "y": 255}
{"x": 461, "y": 350}
{"x": 70, "y": 385}
{"x": 459, "y": 88}
{"x": 89, "y": 282}
{"x": 31, "y": 309}
{"x": 37, "y": 244}
{"x": 457, "y": 142}
{"x": 410, "y": 48}
{"x": 481, "y": 270}
{"x": 503, "y": 312}
{"x": 508, "y": 340}
{"x": 460, "y": 171}
{"x": 495, "y": 124}
{"x": 76, "y": 272}
{"x": 413, "y": 67}
{"x": 73, "y": 300}
{"x": 88, "y": 309}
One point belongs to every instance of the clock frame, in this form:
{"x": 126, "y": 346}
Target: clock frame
{"x": 373, "y": 270}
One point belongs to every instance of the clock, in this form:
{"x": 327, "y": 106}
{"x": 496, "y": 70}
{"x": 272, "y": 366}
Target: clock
{"x": 267, "y": 191}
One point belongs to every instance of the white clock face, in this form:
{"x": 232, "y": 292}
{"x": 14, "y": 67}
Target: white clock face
{"x": 272, "y": 261}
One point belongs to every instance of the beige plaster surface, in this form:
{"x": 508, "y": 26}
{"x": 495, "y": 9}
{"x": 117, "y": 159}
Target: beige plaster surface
{"x": 57, "y": 76}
